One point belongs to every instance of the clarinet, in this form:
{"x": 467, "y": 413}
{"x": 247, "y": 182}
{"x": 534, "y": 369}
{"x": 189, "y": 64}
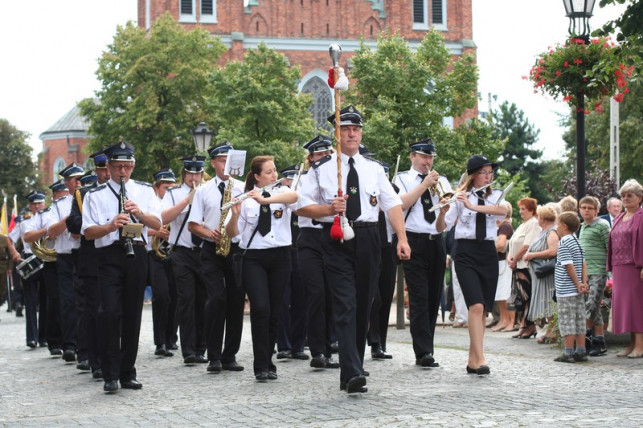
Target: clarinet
{"x": 129, "y": 246}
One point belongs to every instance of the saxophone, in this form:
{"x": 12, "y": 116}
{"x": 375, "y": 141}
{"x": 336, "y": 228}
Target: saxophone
{"x": 223, "y": 248}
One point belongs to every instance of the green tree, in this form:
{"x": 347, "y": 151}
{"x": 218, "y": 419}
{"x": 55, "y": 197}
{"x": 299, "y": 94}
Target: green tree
{"x": 155, "y": 89}
{"x": 258, "y": 107}
{"x": 597, "y": 135}
{"x": 405, "y": 96}
{"x": 18, "y": 174}
{"x": 628, "y": 28}
{"x": 511, "y": 125}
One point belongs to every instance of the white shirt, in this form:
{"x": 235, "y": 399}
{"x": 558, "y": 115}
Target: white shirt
{"x": 319, "y": 186}
{"x": 18, "y": 232}
{"x": 59, "y": 210}
{"x": 101, "y": 205}
{"x": 206, "y": 205}
{"x": 467, "y": 218}
{"x": 280, "y": 234}
{"x": 415, "y": 221}
{"x": 174, "y": 195}
{"x": 36, "y": 222}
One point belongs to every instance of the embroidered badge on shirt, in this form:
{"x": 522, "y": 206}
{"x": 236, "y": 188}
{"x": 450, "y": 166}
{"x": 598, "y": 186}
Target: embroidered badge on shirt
{"x": 373, "y": 200}
{"x": 278, "y": 213}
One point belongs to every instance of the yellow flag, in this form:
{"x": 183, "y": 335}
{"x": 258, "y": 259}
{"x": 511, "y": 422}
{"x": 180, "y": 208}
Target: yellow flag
{"x": 4, "y": 228}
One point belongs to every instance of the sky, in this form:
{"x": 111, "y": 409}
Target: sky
{"x": 49, "y": 57}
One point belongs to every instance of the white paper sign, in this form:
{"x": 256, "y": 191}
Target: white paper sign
{"x": 235, "y": 164}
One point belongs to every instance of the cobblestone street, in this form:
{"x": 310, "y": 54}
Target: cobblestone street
{"x": 525, "y": 388}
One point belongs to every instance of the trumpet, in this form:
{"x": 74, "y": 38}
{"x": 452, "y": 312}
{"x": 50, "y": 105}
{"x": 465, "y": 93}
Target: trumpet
{"x": 452, "y": 199}
{"x": 438, "y": 190}
{"x": 242, "y": 197}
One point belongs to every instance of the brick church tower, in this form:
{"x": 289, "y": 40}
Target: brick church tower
{"x": 303, "y": 29}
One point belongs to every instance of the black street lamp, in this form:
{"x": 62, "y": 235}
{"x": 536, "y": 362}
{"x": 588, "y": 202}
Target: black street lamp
{"x": 579, "y": 12}
{"x": 202, "y": 137}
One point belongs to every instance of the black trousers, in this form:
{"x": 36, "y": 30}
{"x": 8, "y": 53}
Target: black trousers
{"x": 90, "y": 339}
{"x": 224, "y": 304}
{"x": 292, "y": 334}
{"x": 265, "y": 274}
{"x": 161, "y": 299}
{"x": 122, "y": 285}
{"x": 381, "y": 309}
{"x": 424, "y": 273}
{"x": 50, "y": 279}
{"x": 352, "y": 270}
{"x": 67, "y": 286}
{"x": 191, "y": 296}
{"x": 318, "y": 299}
{"x": 31, "y": 299}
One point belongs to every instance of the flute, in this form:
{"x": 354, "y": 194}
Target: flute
{"x": 242, "y": 197}
{"x": 453, "y": 198}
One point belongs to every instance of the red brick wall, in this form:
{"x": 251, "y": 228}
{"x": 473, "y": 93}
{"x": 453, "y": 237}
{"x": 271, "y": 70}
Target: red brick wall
{"x": 53, "y": 149}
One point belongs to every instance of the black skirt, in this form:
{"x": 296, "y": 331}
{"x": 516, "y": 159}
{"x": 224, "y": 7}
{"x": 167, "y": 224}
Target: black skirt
{"x": 476, "y": 264}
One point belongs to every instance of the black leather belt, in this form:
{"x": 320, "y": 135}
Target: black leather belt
{"x": 429, "y": 236}
{"x": 181, "y": 247}
{"x": 355, "y": 224}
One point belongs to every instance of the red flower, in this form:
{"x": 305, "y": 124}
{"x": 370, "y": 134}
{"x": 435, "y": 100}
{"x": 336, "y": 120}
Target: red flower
{"x": 568, "y": 98}
{"x": 578, "y": 61}
{"x": 619, "y": 97}
{"x": 566, "y": 64}
{"x": 558, "y": 73}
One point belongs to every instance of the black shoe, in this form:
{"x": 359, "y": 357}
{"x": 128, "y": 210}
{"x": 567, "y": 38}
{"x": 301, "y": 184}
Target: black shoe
{"x": 83, "y": 365}
{"x": 299, "y": 355}
{"x": 69, "y": 356}
{"x": 354, "y": 384}
{"x": 214, "y": 366}
{"x": 580, "y": 358}
{"x": 110, "y": 386}
{"x": 131, "y": 384}
{"x": 281, "y": 355}
{"x": 97, "y": 374}
{"x": 200, "y": 358}
{"x": 262, "y": 376}
{"x": 331, "y": 364}
{"x": 318, "y": 362}
{"x": 189, "y": 359}
{"x": 43, "y": 344}
{"x": 32, "y": 344}
{"x": 378, "y": 354}
{"x": 483, "y": 370}
{"x": 598, "y": 347}
{"x": 19, "y": 311}
{"x": 272, "y": 375}
{"x": 173, "y": 346}
{"x": 471, "y": 371}
{"x": 426, "y": 360}
{"x": 162, "y": 351}
{"x": 365, "y": 373}
{"x": 232, "y": 366}
{"x": 55, "y": 352}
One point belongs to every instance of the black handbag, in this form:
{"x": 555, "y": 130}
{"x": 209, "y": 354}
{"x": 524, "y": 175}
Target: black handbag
{"x": 237, "y": 262}
{"x": 543, "y": 267}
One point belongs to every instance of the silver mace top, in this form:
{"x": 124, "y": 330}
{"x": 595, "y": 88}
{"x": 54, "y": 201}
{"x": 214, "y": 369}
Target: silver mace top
{"x": 335, "y": 52}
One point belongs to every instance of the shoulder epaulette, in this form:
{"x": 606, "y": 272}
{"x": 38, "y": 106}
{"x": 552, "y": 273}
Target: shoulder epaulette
{"x": 320, "y": 162}
{"x": 60, "y": 199}
{"x": 144, "y": 183}
{"x": 97, "y": 188}
{"x": 44, "y": 210}
{"x": 169, "y": 189}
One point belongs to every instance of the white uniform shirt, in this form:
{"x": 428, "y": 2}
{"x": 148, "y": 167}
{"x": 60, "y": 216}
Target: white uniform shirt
{"x": 174, "y": 195}
{"x": 467, "y": 218}
{"x": 376, "y": 192}
{"x": 18, "y": 233}
{"x": 60, "y": 209}
{"x": 415, "y": 222}
{"x": 306, "y": 221}
{"x": 206, "y": 205}
{"x": 101, "y": 205}
{"x": 280, "y": 234}
{"x": 36, "y": 222}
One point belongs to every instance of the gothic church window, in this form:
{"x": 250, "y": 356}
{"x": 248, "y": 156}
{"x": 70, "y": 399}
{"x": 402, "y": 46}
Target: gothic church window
{"x": 322, "y": 105}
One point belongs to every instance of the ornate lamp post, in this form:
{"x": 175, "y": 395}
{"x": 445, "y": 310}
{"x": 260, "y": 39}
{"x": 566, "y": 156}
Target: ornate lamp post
{"x": 579, "y": 12}
{"x": 202, "y": 137}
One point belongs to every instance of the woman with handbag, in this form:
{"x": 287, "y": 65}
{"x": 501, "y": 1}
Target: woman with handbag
{"x": 542, "y": 260}
{"x": 518, "y": 246}
{"x": 263, "y": 220}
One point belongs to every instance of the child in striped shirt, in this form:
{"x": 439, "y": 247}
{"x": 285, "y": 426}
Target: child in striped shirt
{"x": 570, "y": 279}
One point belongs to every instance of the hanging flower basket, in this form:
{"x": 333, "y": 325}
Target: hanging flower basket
{"x": 570, "y": 69}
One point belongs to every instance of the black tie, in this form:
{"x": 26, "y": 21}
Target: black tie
{"x": 427, "y": 202}
{"x": 222, "y": 190}
{"x": 481, "y": 222}
{"x": 353, "y": 208}
{"x": 264, "y": 217}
